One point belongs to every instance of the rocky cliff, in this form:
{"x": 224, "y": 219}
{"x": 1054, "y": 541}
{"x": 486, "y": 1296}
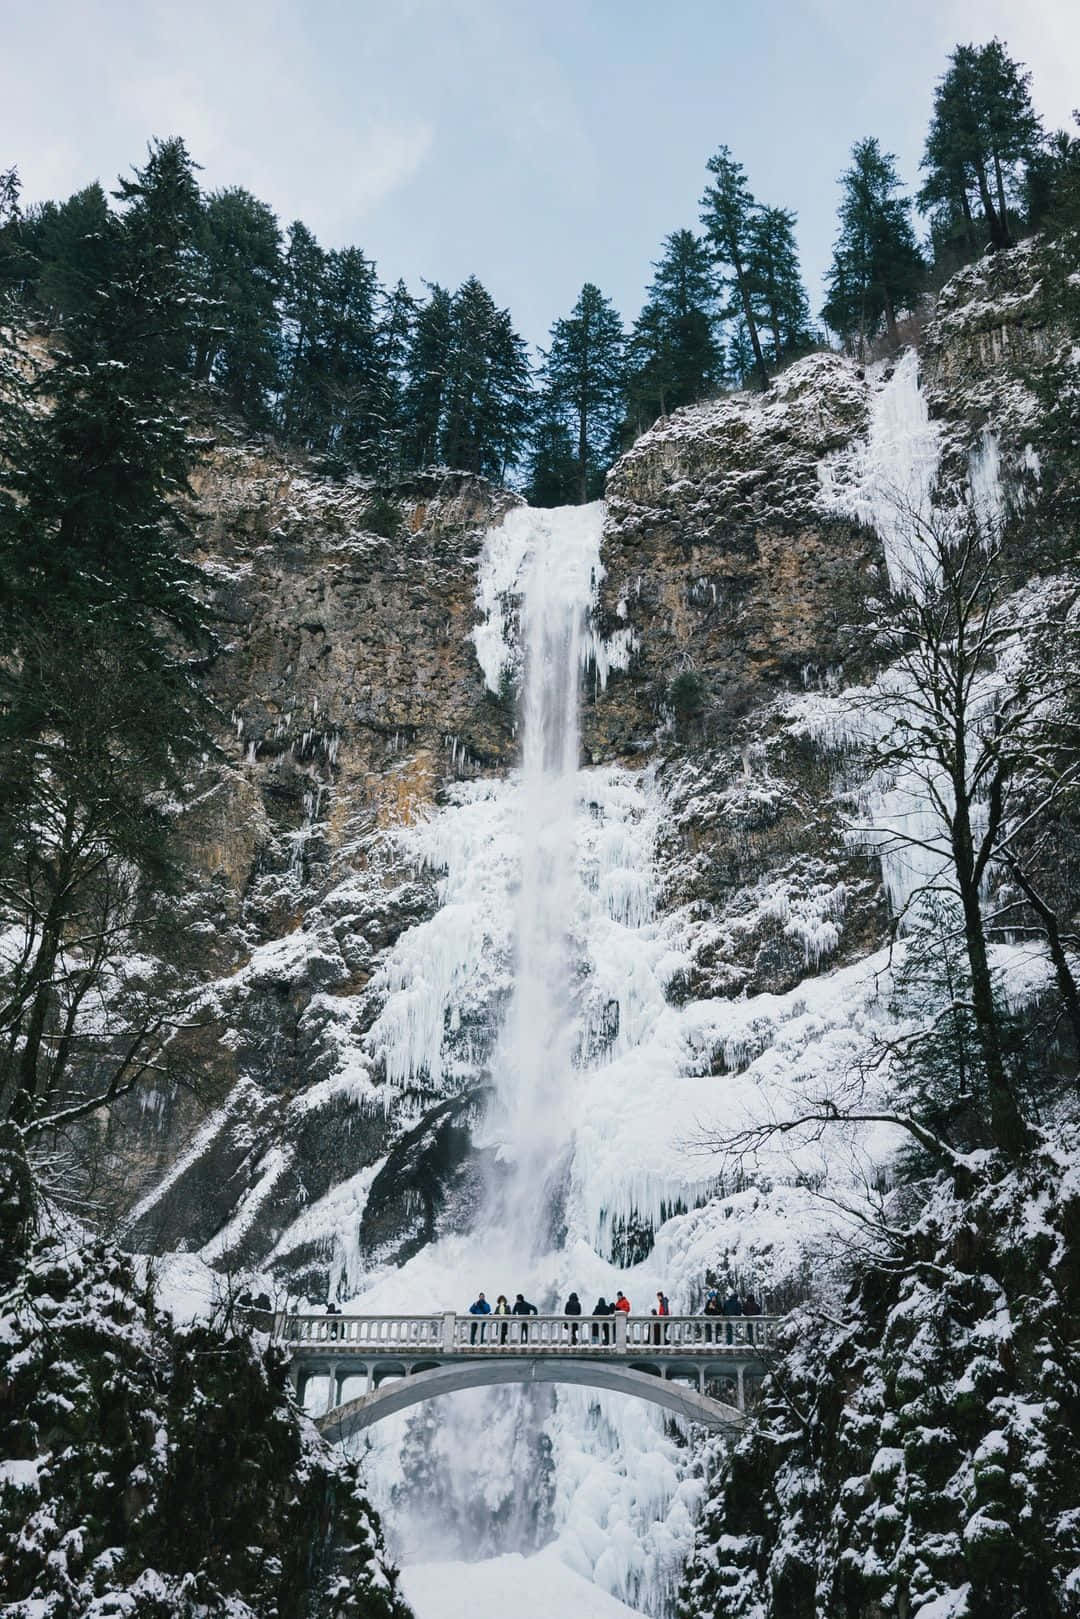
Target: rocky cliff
{"x": 739, "y": 551}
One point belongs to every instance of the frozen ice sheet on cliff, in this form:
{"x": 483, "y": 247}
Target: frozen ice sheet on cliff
{"x": 504, "y": 564}
{"x": 887, "y": 480}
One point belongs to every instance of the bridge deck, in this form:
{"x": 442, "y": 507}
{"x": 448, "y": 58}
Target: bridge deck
{"x": 403, "y": 1359}
{"x": 364, "y": 1336}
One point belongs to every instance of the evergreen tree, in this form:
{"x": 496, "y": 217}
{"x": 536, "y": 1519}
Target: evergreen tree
{"x": 99, "y": 620}
{"x": 394, "y": 340}
{"x": 876, "y": 265}
{"x": 673, "y": 357}
{"x": 75, "y": 251}
{"x": 148, "y": 319}
{"x": 728, "y": 210}
{"x": 303, "y": 290}
{"x": 429, "y": 362}
{"x": 776, "y": 288}
{"x": 584, "y": 385}
{"x": 740, "y": 361}
{"x": 487, "y": 396}
{"x": 983, "y": 128}
{"x": 238, "y": 342}
{"x": 347, "y": 408}
{"x": 553, "y": 478}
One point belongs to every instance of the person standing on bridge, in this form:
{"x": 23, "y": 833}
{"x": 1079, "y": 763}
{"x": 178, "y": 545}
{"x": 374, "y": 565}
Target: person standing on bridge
{"x": 602, "y": 1308}
{"x": 662, "y": 1308}
{"x": 731, "y": 1307}
{"x": 502, "y": 1308}
{"x": 712, "y": 1309}
{"x": 481, "y": 1307}
{"x": 622, "y": 1303}
{"x": 572, "y": 1307}
{"x": 523, "y": 1308}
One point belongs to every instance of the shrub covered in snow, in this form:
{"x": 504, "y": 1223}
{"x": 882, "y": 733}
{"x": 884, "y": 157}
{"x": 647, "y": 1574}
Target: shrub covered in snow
{"x": 155, "y": 1472}
{"x": 917, "y": 1456}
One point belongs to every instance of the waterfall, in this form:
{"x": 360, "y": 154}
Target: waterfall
{"x": 542, "y": 972}
{"x": 534, "y": 1058}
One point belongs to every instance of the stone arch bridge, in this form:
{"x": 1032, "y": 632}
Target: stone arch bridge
{"x": 702, "y": 1368}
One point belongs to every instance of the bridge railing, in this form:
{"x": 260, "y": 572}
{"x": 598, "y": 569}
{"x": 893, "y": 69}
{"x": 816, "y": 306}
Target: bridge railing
{"x": 363, "y": 1331}
{"x": 446, "y": 1333}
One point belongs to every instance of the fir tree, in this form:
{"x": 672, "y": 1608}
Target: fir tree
{"x": 876, "y": 267}
{"x": 238, "y": 343}
{"x": 584, "y": 384}
{"x": 394, "y": 338}
{"x": 303, "y": 290}
{"x": 775, "y": 280}
{"x": 553, "y": 466}
{"x": 99, "y": 622}
{"x": 728, "y": 210}
{"x": 487, "y": 386}
{"x": 148, "y": 319}
{"x": 983, "y": 128}
{"x": 673, "y": 357}
{"x": 75, "y": 252}
{"x": 347, "y": 406}
{"x": 429, "y": 362}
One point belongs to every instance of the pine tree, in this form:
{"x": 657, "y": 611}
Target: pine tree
{"x": 74, "y": 249}
{"x": 983, "y": 127}
{"x": 740, "y": 361}
{"x": 673, "y": 357}
{"x": 347, "y": 409}
{"x": 148, "y": 320}
{"x": 429, "y": 362}
{"x": 728, "y": 210}
{"x": 99, "y": 621}
{"x": 584, "y": 384}
{"x": 775, "y": 280}
{"x": 394, "y": 339}
{"x": 876, "y": 265}
{"x": 487, "y": 386}
{"x": 238, "y": 342}
{"x": 553, "y": 478}
{"x": 303, "y": 291}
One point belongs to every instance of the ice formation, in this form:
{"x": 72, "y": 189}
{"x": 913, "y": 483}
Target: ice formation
{"x": 887, "y": 480}
{"x": 549, "y": 925}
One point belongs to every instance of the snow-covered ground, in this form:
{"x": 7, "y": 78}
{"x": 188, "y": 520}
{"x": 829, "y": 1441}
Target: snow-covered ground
{"x": 527, "y": 1587}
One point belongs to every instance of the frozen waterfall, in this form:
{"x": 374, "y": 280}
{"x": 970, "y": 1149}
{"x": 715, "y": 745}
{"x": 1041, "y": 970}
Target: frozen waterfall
{"x": 533, "y": 1065}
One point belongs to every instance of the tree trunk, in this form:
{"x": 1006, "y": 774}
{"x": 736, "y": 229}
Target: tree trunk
{"x": 1003, "y": 212}
{"x": 969, "y": 224}
{"x": 993, "y": 224}
{"x": 748, "y": 313}
{"x": 1066, "y": 982}
{"x": 583, "y": 453}
{"x": 1007, "y": 1127}
{"x": 890, "y": 315}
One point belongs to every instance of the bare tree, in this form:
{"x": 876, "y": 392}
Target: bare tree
{"x": 976, "y": 717}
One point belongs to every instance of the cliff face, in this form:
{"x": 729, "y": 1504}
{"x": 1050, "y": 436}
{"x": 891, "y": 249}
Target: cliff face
{"x": 352, "y": 701}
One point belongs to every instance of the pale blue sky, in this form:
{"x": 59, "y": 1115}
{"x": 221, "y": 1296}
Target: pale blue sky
{"x": 538, "y": 143}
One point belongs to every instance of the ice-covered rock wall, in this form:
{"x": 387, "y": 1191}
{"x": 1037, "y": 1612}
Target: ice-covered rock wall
{"x": 361, "y": 860}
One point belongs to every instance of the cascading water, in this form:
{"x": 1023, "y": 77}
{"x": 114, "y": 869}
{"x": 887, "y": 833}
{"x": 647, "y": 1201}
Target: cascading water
{"x": 534, "y": 1060}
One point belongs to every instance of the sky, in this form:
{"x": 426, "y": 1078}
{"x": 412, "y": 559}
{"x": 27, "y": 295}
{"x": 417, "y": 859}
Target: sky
{"x": 536, "y": 143}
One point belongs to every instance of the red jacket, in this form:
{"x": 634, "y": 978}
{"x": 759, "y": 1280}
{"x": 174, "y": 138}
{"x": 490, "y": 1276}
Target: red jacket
{"x": 623, "y": 1304}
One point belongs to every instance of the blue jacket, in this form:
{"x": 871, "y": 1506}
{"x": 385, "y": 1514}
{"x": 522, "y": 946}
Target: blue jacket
{"x": 481, "y": 1307}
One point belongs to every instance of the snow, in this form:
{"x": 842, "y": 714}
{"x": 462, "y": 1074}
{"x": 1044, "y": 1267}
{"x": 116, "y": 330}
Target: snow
{"x": 526, "y": 1587}
{"x": 887, "y": 481}
{"x": 548, "y": 917}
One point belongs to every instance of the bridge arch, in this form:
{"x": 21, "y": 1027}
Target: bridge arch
{"x": 343, "y": 1421}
